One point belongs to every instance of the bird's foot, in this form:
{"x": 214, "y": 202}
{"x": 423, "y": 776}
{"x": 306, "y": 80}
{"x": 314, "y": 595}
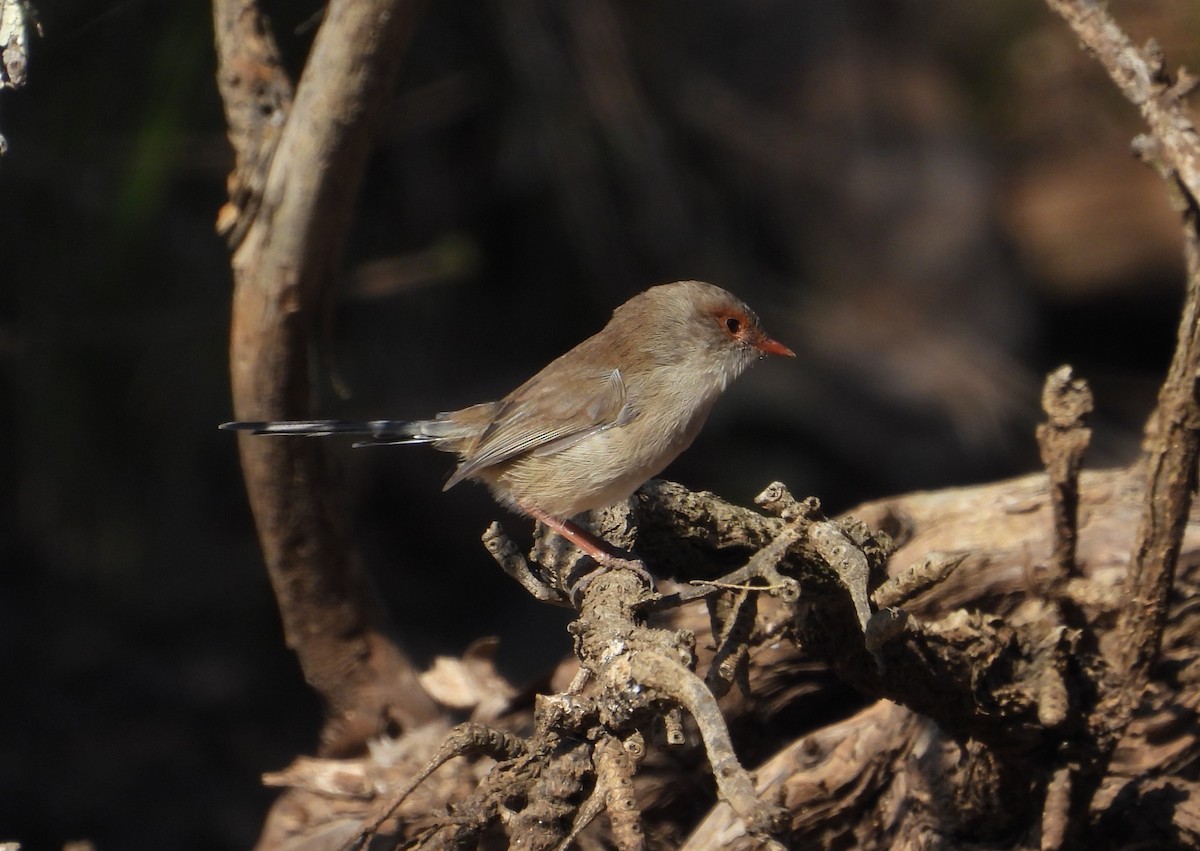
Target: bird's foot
{"x": 604, "y": 562}
{"x": 606, "y": 556}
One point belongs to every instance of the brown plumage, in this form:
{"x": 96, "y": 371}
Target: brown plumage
{"x": 594, "y": 424}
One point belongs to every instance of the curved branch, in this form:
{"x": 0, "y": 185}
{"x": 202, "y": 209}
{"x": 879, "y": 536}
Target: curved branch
{"x": 291, "y": 198}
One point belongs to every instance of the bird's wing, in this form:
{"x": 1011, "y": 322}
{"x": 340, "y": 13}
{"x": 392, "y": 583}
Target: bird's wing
{"x": 540, "y": 418}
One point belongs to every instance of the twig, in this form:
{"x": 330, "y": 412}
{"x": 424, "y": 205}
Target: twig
{"x": 467, "y": 739}
{"x": 916, "y": 580}
{"x": 506, "y": 553}
{"x": 1063, "y": 440}
{"x": 615, "y": 762}
{"x": 1141, "y": 76}
{"x": 1174, "y": 445}
{"x": 732, "y": 615}
{"x": 734, "y": 785}
{"x": 1173, "y": 435}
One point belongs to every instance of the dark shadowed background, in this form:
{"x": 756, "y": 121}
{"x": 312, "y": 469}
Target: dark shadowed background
{"x": 933, "y": 203}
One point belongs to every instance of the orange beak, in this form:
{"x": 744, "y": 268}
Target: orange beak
{"x": 773, "y": 347}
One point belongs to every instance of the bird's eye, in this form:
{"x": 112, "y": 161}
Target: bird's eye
{"x": 733, "y": 325}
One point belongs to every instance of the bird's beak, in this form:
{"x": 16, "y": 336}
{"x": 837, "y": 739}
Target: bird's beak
{"x": 773, "y": 347}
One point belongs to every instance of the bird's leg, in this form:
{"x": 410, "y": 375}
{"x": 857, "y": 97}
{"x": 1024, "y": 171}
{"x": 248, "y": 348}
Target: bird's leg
{"x": 605, "y": 554}
{"x": 598, "y": 548}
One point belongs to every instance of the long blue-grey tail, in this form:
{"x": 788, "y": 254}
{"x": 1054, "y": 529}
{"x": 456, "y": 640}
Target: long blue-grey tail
{"x": 378, "y": 432}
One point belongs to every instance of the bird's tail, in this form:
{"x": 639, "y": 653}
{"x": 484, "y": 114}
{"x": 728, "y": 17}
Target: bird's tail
{"x": 378, "y": 432}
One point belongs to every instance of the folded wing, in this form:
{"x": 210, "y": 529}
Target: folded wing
{"x": 538, "y": 418}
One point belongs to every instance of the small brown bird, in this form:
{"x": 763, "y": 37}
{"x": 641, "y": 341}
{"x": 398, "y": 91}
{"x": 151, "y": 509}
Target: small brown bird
{"x": 597, "y": 422}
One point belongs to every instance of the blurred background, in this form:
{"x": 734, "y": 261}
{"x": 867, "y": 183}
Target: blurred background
{"x": 933, "y": 203}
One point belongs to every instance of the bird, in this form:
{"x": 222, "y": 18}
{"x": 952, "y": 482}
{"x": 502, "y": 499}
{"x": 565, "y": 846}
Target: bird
{"x": 597, "y": 422}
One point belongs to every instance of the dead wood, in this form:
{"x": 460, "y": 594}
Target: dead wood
{"x": 1063, "y": 440}
{"x": 982, "y": 657}
{"x": 1022, "y": 652}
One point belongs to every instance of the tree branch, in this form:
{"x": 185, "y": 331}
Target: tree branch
{"x": 299, "y": 163}
{"x": 1173, "y": 442}
{"x": 1141, "y": 76}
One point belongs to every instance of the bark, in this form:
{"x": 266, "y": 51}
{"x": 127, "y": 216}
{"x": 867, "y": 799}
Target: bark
{"x": 300, "y": 155}
{"x": 1004, "y": 666}
{"x": 1001, "y": 686}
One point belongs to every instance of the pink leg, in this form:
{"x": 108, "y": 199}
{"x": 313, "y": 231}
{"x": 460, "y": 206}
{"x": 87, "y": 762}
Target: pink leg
{"x": 606, "y": 555}
{"x": 602, "y": 551}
